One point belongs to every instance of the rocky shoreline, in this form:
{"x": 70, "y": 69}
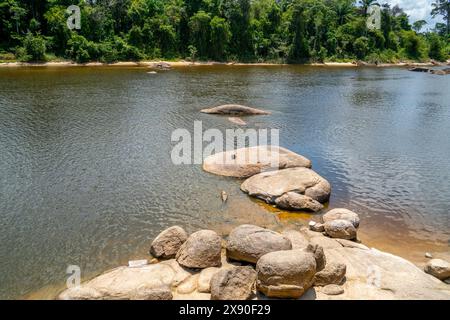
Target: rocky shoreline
{"x": 257, "y": 263}
{"x": 183, "y": 63}
{"x": 323, "y": 261}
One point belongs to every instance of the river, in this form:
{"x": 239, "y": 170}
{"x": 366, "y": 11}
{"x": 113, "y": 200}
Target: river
{"x": 87, "y": 178}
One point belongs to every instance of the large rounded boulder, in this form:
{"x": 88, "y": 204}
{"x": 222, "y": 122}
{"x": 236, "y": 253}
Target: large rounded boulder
{"x": 246, "y": 162}
{"x": 342, "y": 214}
{"x": 168, "y": 242}
{"x": 233, "y": 283}
{"x": 288, "y": 184}
{"x": 249, "y": 243}
{"x": 285, "y": 274}
{"x": 201, "y": 250}
{"x": 342, "y": 229}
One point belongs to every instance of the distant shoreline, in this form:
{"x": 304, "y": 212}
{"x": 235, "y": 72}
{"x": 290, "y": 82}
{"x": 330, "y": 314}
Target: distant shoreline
{"x": 183, "y": 63}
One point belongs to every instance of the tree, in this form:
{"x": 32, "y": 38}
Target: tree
{"x": 418, "y": 25}
{"x": 442, "y": 8}
{"x": 365, "y": 4}
{"x": 220, "y": 37}
{"x": 199, "y": 26}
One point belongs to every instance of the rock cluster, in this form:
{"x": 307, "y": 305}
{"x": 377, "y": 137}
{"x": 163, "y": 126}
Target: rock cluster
{"x": 294, "y": 264}
{"x": 296, "y": 188}
{"x": 338, "y": 223}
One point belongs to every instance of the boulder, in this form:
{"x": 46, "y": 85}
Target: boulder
{"x": 233, "y": 284}
{"x": 333, "y": 273}
{"x": 319, "y": 255}
{"x": 441, "y": 72}
{"x": 146, "y": 282}
{"x": 168, "y": 242}
{"x": 342, "y": 214}
{"x": 204, "y": 279}
{"x": 420, "y": 69}
{"x": 332, "y": 290}
{"x": 234, "y": 109}
{"x": 285, "y": 274}
{"x": 296, "y": 201}
{"x": 438, "y": 268}
{"x": 376, "y": 275}
{"x": 316, "y": 227}
{"x": 249, "y": 243}
{"x": 246, "y": 162}
{"x": 342, "y": 229}
{"x": 162, "y": 65}
{"x": 201, "y": 250}
{"x": 271, "y": 185}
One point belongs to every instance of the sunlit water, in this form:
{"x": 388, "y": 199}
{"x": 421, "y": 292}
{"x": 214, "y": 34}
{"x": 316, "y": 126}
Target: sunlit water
{"x": 87, "y": 178}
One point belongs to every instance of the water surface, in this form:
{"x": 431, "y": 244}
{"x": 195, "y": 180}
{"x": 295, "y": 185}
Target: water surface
{"x": 86, "y": 175}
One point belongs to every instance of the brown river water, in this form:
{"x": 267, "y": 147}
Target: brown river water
{"x": 87, "y": 178}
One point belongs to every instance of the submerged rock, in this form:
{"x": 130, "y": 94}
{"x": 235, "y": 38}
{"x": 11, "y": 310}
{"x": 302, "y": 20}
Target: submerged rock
{"x": 296, "y": 201}
{"x": 438, "y": 268}
{"x": 270, "y": 186}
{"x": 234, "y": 109}
{"x": 285, "y": 274}
{"x": 168, "y": 242}
{"x": 233, "y": 284}
{"x": 342, "y": 229}
{"x": 237, "y": 120}
{"x": 246, "y": 162}
{"x": 249, "y": 243}
{"x": 342, "y": 214}
{"x": 201, "y": 250}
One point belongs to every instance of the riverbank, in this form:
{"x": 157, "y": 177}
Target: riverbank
{"x": 256, "y": 263}
{"x": 183, "y": 63}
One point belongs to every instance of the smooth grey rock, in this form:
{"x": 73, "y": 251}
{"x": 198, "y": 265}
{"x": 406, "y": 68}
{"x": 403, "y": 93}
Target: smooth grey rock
{"x": 285, "y": 274}
{"x": 233, "y": 283}
{"x": 249, "y": 243}
{"x": 296, "y": 201}
{"x": 201, "y": 250}
{"x": 342, "y": 229}
{"x": 269, "y": 186}
{"x": 342, "y": 214}
{"x": 168, "y": 242}
{"x": 246, "y": 162}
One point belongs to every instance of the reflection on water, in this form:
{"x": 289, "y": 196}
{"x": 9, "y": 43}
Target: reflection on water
{"x": 86, "y": 176}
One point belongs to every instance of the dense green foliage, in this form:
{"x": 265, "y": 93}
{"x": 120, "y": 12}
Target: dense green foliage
{"x": 244, "y": 30}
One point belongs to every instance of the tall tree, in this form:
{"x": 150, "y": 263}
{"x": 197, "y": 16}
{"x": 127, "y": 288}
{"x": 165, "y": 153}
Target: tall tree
{"x": 442, "y": 8}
